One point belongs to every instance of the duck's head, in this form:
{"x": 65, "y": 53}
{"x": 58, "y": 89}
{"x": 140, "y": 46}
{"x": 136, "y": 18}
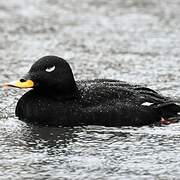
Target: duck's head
{"x": 48, "y": 73}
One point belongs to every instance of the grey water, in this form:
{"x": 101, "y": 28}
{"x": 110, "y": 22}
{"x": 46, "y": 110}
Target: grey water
{"x": 132, "y": 40}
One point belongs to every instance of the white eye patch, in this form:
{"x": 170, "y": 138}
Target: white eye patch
{"x": 50, "y": 69}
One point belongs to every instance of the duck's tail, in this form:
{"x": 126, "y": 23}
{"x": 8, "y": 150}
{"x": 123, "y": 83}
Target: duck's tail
{"x": 169, "y": 111}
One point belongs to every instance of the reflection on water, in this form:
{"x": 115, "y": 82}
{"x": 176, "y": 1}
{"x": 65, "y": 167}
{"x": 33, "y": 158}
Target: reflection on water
{"x": 87, "y": 152}
{"x": 53, "y": 137}
{"x": 38, "y": 137}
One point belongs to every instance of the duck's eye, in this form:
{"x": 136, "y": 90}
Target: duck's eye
{"x": 50, "y": 69}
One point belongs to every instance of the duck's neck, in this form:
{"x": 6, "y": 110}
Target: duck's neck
{"x": 66, "y": 87}
{"x": 58, "y": 91}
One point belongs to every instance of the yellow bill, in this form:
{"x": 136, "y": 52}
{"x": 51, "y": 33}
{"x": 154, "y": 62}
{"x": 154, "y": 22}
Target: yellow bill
{"x": 19, "y": 84}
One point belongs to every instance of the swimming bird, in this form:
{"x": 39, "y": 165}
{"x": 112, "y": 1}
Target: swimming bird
{"x": 56, "y": 99}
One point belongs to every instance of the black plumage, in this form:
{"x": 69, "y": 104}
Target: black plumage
{"x": 58, "y": 100}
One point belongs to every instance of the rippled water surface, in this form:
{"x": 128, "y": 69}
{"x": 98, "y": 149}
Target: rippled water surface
{"x": 132, "y": 40}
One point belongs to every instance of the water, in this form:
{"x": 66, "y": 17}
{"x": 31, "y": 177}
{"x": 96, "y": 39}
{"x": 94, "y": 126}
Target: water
{"x": 135, "y": 41}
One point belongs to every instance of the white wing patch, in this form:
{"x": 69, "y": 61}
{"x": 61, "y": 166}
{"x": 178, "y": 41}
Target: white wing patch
{"x": 50, "y": 69}
{"x": 178, "y": 113}
{"x": 146, "y": 104}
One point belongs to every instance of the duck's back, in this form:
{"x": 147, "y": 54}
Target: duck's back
{"x": 97, "y": 102}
